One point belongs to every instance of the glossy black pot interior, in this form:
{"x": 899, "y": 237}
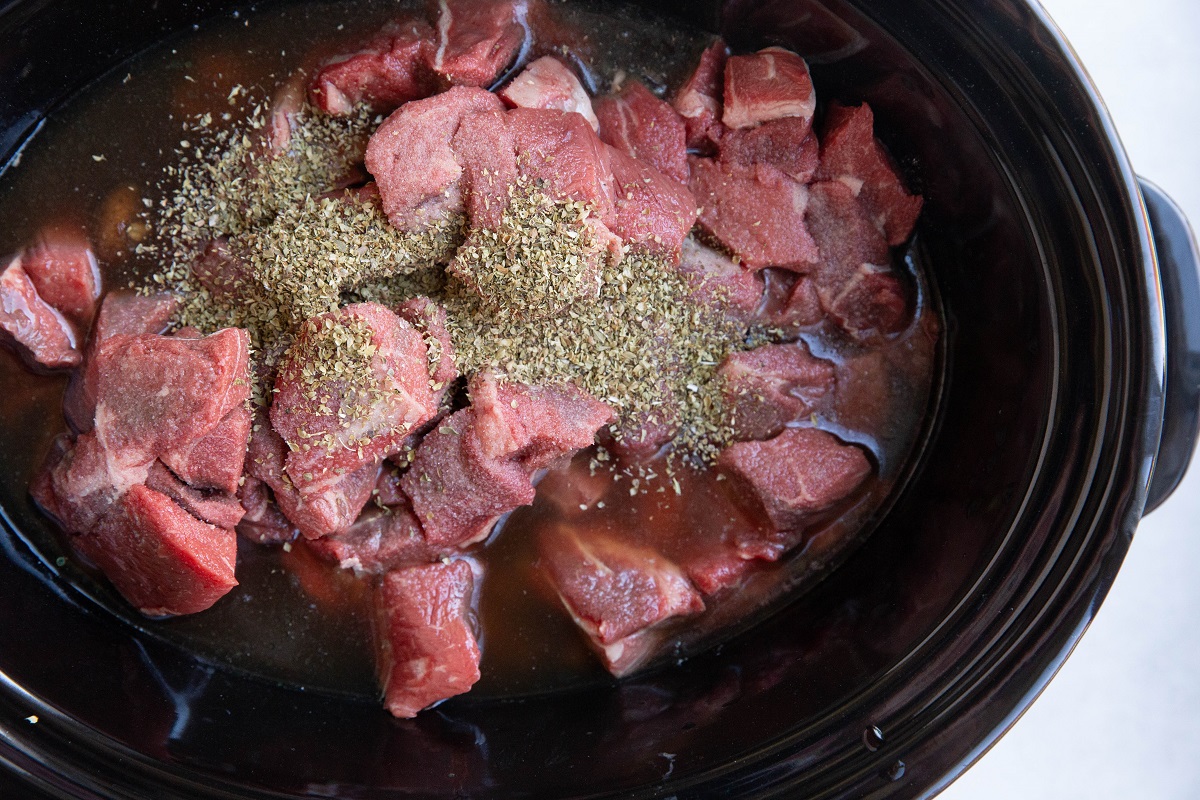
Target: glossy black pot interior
{"x": 889, "y": 677}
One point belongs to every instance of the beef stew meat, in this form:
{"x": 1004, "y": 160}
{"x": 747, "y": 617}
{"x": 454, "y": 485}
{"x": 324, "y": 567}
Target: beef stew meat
{"x": 475, "y": 329}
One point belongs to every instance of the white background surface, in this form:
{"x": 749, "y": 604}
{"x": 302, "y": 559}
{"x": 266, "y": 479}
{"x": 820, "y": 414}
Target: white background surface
{"x": 1122, "y": 718}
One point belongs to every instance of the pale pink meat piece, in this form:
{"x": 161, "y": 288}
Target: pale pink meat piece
{"x": 653, "y": 212}
{"x": 851, "y": 154}
{"x": 549, "y": 83}
{"x": 614, "y": 590}
{"x": 855, "y": 281}
{"x": 771, "y": 84}
{"x": 411, "y": 159}
{"x": 160, "y": 558}
{"x": 644, "y": 127}
{"x": 216, "y": 508}
{"x": 388, "y": 72}
{"x": 715, "y": 281}
{"x": 772, "y": 385}
{"x": 699, "y": 99}
{"x": 86, "y": 481}
{"x": 335, "y": 426}
{"x": 757, "y": 212}
{"x": 425, "y": 638}
{"x": 42, "y": 332}
{"x": 795, "y": 475}
{"x": 787, "y": 144}
{"x": 63, "y": 269}
{"x": 477, "y": 41}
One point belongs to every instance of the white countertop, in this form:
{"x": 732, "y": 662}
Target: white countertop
{"x": 1120, "y": 720}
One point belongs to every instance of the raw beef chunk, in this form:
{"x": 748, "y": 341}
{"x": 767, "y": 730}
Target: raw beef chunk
{"x": 771, "y": 84}
{"x": 791, "y": 302}
{"x": 214, "y": 461}
{"x": 262, "y": 521}
{"x": 426, "y": 644}
{"x": 850, "y": 153}
{"x": 614, "y": 590}
{"x": 477, "y": 41}
{"x": 561, "y": 150}
{"x": 800, "y": 472}
{"x": 787, "y": 144}
{"x": 757, "y": 212}
{"x": 44, "y": 333}
{"x": 390, "y": 71}
{"x": 699, "y": 100}
{"x": 350, "y": 390}
{"x": 855, "y": 281}
{"x": 216, "y": 508}
{"x": 430, "y": 319}
{"x": 412, "y": 162}
{"x": 87, "y": 481}
{"x": 379, "y": 541}
{"x": 652, "y": 211}
{"x": 715, "y": 281}
{"x": 161, "y": 558}
{"x": 548, "y": 83}
{"x": 485, "y": 145}
{"x": 64, "y": 272}
{"x": 642, "y": 126}
{"x": 772, "y": 385}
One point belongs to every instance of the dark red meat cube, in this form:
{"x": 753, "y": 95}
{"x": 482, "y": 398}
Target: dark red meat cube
{"x": 772, "y": 385}
{"x": 218, "y": 270}
{"x": 457, "y": 492}
{"x": 714, "y": 280}
{"x": 412, "y": 162}
{"x": 533, "y": 425}
{"x": 642, "y": 434}
{"x": 87, "y": 481}
{"x": 850, "y": 153}
{"x": 214, "y": 461}
{"x": 549, "y": 83}
{"x": 787, "y": 144}
{"x": 615, "y": 590}
{"x": 757, "y": 212}
{"x": 335, "y": 425}
{"x": 791, "y": 301}
{"x": 642, "y": 126}
{"x": 477, "y": 41}
{"x": 159, "y": 557}
{"x": 158, "y": 394}
{"x": 379, "y": 541}
{"x": 63, "y": 269}
{"x": 699, "y": 99}
{"x": 652, "y": 211}
{"x": 215, "y": 508}
{"x": 857, "y": 286}
{"x": 799, "y": 473}
{"x": 426, "y": 644}
{"x": 389, "y": 72}
{"x": 262, "y": 521}
{"x": 771, "y": 84}
{"x": 44, "y": 333}
{"x": 121, "y": 313}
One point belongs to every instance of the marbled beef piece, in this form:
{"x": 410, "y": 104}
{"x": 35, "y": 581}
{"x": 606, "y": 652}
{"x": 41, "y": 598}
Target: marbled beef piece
{"x": 458, "y": 493}
{"x": 715, "y": 281}
{"x": 429, "y": 318}
{"x": 534, "y": 426}
{"x": 218, "y": 270}
{"x": 351, "y": 389}
{"x": 262, "y": 522}
{"x": 121, "y": 313}
{"x": 86, "y": 482}
{"x": 160, "y": 558}
{"x": 379, "y": 541}
{"x": 477, "y": 41}
{"x": 389, "y": 71}
{"x": 63, "y": 269}
{"x": 757, "y": 212}
{"x": 699, "y": 100}
{"x": 799, "y": 473}
{"x": 615, "y": 590}
{"x": 772, "y": 385}
{"x": 412, "y": 162}
{"x": 787, "y": 144}
{"x": 425, "y": 638}
{"x": 855, "y": 281}
{"x": 216, "y": 508}
{"x": 768, "y": 85}
{"x": 43, "y": 333}
{"x": 653, "y": 212}
{"x": 161, "y": 394}
{"x": 549, "y": 83}
{"x": 644, "y": 127}
{"x": 850, "y": 153}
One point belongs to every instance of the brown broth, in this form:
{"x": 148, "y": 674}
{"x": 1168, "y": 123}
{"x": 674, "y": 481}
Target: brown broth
{"x": 294, "y": 619}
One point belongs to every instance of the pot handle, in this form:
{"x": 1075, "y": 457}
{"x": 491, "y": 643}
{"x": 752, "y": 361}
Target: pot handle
{"x": 1178, "y": 264}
